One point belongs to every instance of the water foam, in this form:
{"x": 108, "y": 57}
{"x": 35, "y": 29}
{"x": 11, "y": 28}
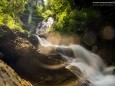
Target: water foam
{"x": 90, "y": 64}
{"x": 43, "y": 26}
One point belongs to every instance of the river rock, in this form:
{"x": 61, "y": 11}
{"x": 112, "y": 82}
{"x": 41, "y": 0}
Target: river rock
{"x": 30, "y": 64}
{"x": 8, "y": 77}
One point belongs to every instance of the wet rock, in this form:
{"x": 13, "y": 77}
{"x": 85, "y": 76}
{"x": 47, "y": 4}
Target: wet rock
{"x": 8, "y": 77}
{"x": 1, "y": 55}
{"x": 38, "y": 68}
{"x": 34, "y": 40}
{"x": 7, "y": 33}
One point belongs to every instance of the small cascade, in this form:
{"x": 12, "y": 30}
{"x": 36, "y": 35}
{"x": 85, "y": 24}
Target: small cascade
{"x": 43, "y": 26}
{"x": 30, "y": 17}
{"x": 44, "y": 42}
{"x": 90, "y": 64}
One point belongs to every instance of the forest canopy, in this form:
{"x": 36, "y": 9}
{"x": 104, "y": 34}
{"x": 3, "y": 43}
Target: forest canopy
{"x": 26, "y": 14}
{"x": 9, "y": 13}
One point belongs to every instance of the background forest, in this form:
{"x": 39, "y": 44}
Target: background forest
{"x": 70, "y": 16}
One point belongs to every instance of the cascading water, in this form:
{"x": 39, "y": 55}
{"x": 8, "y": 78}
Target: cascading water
{"x": 30, "y": 16}
{"x": 44, "y": 42}
{"x": 90, "y": 64}
{"x": 44, "y": 25}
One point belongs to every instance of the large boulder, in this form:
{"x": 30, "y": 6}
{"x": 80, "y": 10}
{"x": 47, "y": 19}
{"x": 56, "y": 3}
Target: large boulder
{"x": 8, "y": 77}
{"x": 38, "y": 68}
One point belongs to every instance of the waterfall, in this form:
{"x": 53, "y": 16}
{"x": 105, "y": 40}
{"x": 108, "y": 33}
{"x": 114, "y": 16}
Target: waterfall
{"x": 43, "y": 26}
{"x": 90, "y": 64}
{"x": 44, "y": 42}
{"x": 30, "y": 17}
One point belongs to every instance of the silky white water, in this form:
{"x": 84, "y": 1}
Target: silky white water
{"x": 90, "y": 64}
{"x": 44, "y": 25}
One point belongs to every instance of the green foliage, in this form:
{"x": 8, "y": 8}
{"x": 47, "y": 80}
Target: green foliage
{"x": 71, "y": 21}
{"x": 9, "y": 11}
{"x": 32, "y": 15}
{"x": 68, "y": 20}
{"x": 47, "y": 13}
{"x": 12, "y": 7}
